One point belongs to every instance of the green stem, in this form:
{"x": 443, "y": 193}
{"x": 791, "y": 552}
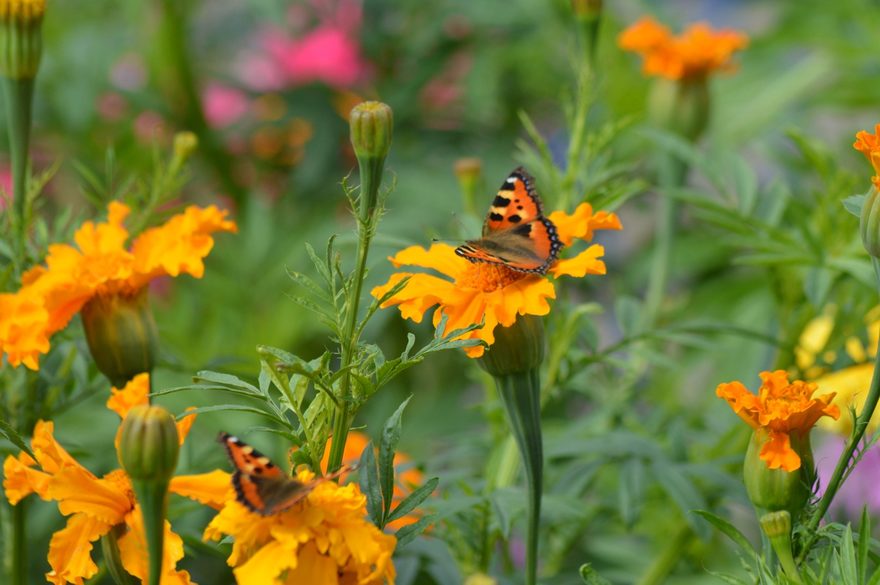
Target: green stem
{"x": 19, "y": 544}
{"x": 19, "y": 101}
{"x": 859, "y": 428}
{"x": 672, "y": 174}
{"x": 520, "y": 394}
{"x": 668, "y": 559}
{"x": 153, "y": 499}
{"x": 371, "y": 179}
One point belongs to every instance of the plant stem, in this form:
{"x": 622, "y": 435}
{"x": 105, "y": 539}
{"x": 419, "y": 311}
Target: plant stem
{"x": 663, "y": 564}
{"x": 153, "y": 498}
{"x": 18, "y": 568}
{"x": 19, "y": 100}
{"x": 859, "y": 428}
{"x": 520, "y": 394}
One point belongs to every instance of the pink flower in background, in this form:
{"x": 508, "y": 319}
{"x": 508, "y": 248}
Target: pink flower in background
{"x": 111, "y": 106}
{"x": 328, "y": 53}
{"x": 860, "y": 488}
{"x": 223, "y": 105}
{"x": 6, "y": 185}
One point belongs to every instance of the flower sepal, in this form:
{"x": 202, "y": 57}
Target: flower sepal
{"x": 21, "y": 37}
{"x": 113, "y": 558}
{"x": 517, "y": 349}
{"x": 681, "y": 106}
{"x": 773, "y": 490}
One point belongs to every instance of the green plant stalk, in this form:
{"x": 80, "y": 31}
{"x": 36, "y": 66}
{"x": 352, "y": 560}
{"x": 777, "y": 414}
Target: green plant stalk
{"x": 520, "y": 394}
{"x": 370, "y": 180}
{"x": 18, "y": 561}
{"x": 153, "y": 499}
{"x": 859, "y": 428}
{"x": 786, "y": 561}
{"x": 668, "y": 558}
{"x": 19, "y": 102}
{"x": 672, "y": 174}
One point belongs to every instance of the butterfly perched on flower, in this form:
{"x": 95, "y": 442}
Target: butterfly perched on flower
{"x": 516, "y": 234}
{"x": 260, "y": 485}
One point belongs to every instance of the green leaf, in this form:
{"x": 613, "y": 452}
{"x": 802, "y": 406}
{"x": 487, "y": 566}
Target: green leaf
{"x": 390, "y": 438}
{"x": 406, "y": 534}
{"x": 681, "y": 491}
{"x": 12, "y": 435}
{"x": 234, "y": 408}
{"x": 731, "y": 531}
{"x": 854, "y": 204}
{"x": 224, "y": 380}
{"x": 628, "y": 312}
{"x": 846, "y": 558}
{"x": 412, "y": 501}
{"x": 591, "y": 577}
{"x": 369, "y": 482}
{"x": 864, "y": 545}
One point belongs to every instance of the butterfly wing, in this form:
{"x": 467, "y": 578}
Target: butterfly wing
{"x": 515, "y": 234}
{"x": 259, "y": 484}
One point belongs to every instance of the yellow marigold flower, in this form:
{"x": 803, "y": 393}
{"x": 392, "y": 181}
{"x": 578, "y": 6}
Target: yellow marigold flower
{"x": 324, "y": 539}
{"x": 781, "y": 408}
{"x": 495, "y": 294}
{"x": 407, "y": 479}
{"x": 869, "y": 145}
{"x": 100, "y": 265}
{"x": 697, "y": 52}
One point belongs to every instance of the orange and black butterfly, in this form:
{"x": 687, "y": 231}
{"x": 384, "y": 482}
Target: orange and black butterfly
{"x": 260, "y": 486}
{"x": 516, "y": 234}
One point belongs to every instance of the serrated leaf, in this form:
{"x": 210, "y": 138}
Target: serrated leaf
{"x": 409, "y": 532}
{"x": 387, "y": 447}
{"x": 368, "y": 478}
{"x": 412, "y": 501}
{"x": 729, "y": 530}
{"x": 13, "y": 437}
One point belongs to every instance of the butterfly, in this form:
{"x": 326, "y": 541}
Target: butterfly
{"x": 516, "y": 234}
{"x": 260, "y": 486}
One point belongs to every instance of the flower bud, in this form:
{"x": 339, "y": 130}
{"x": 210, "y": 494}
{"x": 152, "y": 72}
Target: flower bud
{"x": 869, "y": 222}
{"x": 21, "y": 38}
{"x": 777, "y": 527}
{"x": 121, "y": 335}
{"x": 148, "y": 443}
{"x": 469, "y": 172}
{"x": 517, "y": 349}
{"x": 185, "y": 144}
{"x": 371, "y": 126}
{"x": 777, "y": 489}
{"x": 680, "y": 106}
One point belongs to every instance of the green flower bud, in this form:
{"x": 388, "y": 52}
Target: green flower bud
{"x": 148, "y": 450}
{"x": 869, "y": 222}
{"x": 469, "y": 172}
{"x": 371, "y": 126}
{"x": 121, "y": 335}
{"x": 517, "y": 349}
{"x": 21, "y": 37}
{"x": 680, "y": 106}
{"x": 185, "y": 144}
{"x": 777, "y": 489}
{"x": 777, "y": 527}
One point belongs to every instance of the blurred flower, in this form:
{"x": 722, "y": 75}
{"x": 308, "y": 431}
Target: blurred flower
{"x": 781, "y": 409}
{"x": 6, "y": 186}
{"x": 100, "y": 265}
{"x": 129, "y": 73}
{"x": 869, "y": 145}
{"x": 860, "y": 487}
{"x": 97, "y": 505}
{"x": 493, "y": 294}
{"x": 149, "y": 127}
{"x": 111, "y": 106}
{"x": 223, "y": 105}
{"x": 326, "y": 538}
{"x": 697, "y": 52}
{"x": 407, "y": 476}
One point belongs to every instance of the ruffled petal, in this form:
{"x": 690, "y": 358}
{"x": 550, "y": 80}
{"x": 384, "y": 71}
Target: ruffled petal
{"x": 265, "y": 567}
{"x": 582, "y": 223}
{"x": 777, "y": 452}
{"x": 71, "y": 547}
{"x": 135, "y": 556}
{"x": 135, "y": 393}
{"x": 23, "y": 329}
{"x": 78, "y": 491}
{"x": 421, "y": 292}
{"x": 587, "y": 262}
{"x": 439, "y": 257}
{"x": 50, "y": 454}
{"x": 20, "y": 479}
{"x": 312, "y": 567}
{"x": 745, "y": 404}
{"x": 212, "y": 489}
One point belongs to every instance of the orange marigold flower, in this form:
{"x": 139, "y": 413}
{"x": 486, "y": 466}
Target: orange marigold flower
{"x": 326, "y": 538}
{"x": 782, "y": 408}
{"x": 493, "y": 294}
{"x": 96, "y": 505}
{"x": 697, "y": 52}
{"x": 101, "y": 265}
{"x": 407, "y": 476}
{"x": 869, "y": 145}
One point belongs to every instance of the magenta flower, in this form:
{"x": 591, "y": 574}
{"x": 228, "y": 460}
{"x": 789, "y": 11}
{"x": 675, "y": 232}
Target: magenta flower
{"x": 860, "y": 488}
{"x": 223, "y": 105}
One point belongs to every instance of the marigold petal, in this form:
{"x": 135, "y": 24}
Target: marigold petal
{"x": 744, "y": 403}
{"x": 50, "y": 454}
{"x": 266, "y": 565}
{"x": 312, "y": 567}
{"x": 777, "y": 452}
{"x": 581, "y": 224}
{"x": 587, "y": 262}
{"x": 135, "y": 393}
{"x": 70, "y": 550}
{"x": 212, "y": 488}
{"x": 20, "y": 479}
{"x": 23, "y": 329}
{"x": 852, "y": 386}
{"x": 78, "y": 491}
{"x": 135, "y": 556}
{"x": 439, "y": 257}
{"x": 421, "y": 292}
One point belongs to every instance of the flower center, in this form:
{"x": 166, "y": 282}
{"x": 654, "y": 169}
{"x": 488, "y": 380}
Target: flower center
{"x": 489, "y": 277}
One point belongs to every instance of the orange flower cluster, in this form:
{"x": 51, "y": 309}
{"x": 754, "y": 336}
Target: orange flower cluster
{"x": 698, "y": 51}
{"x": 97, "y": 505}
{"x": 869, "y": 145}
{"x": 782, "y": 408}
{"x": 100, "y": 264}
{"x": 493, "y": 294}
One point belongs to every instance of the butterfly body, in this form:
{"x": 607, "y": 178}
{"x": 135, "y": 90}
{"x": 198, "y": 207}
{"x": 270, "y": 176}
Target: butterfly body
{"x": 259, "y": 484}
{"x": 515, "y": 233}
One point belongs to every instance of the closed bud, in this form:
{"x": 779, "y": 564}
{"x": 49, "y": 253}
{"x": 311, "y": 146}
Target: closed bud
{"x": 777, "y": 527}
{"x": 869, "y": 222}
{"x": 371, "y": 126}
{"x": 121, "y": 334}
{"x": 21, "y": 37}
{"x": 185, "y": 144}
{"x": 517, "y": 349}
{"x": 680, "y": 106}
{"x": 469, "y": 172}
{"x": 149, "y": 443}
{"x": 772, "y": 490}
